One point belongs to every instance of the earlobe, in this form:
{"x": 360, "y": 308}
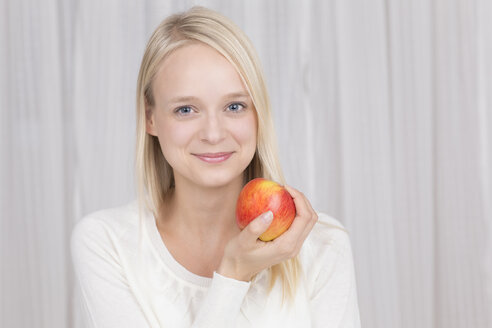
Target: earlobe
{"x": 150, "y": 129}
{"x": 149, "y": 122}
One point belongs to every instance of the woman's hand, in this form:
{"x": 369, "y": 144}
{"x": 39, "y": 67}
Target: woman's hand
{"x": 245, "y": 255}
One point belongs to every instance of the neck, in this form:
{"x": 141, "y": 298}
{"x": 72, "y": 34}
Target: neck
{"x": 205, "y": 213}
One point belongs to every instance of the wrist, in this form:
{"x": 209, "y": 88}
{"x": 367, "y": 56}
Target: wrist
{"x": 229, "y": 270}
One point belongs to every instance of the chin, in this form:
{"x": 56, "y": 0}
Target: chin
{"x": 215, "y": 176}
{"x": 220, "y": 179}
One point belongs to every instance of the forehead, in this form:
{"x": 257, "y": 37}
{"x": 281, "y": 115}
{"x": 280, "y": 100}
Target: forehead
{"x": 196, "y": 70}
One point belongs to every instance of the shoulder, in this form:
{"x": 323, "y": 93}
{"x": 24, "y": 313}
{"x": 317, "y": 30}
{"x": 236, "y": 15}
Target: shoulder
{"x": 326, "y": 253}
{"x": 328, "y": 232}
{"x": 105, "y": 225}
{"x": 327, "y": 245}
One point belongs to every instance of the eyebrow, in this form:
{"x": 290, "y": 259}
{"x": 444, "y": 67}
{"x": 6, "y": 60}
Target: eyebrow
{"x": 238, "y": 94}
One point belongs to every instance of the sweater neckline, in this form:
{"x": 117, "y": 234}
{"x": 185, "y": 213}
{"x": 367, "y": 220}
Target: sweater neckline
{"x": 177, "y": 268}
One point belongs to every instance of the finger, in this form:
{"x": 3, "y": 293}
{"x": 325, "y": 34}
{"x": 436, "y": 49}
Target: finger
{"x": 308, "y": 206}
{"x": 292, "y": 235}
{"x": 302, "y": 208}
{"x": 312, "y": 222}
{"x": 304, "y": 221}
{"x": 286, "y": 245}
{"x": 256, "y": 227}
{"x": 309, "y": 227}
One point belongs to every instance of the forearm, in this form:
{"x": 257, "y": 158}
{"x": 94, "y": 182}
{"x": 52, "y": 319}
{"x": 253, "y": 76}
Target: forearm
{"x": 222, "y": 303}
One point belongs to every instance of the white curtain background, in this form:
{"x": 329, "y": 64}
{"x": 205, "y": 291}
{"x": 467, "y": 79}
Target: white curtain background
{"x": 383, "y": 111}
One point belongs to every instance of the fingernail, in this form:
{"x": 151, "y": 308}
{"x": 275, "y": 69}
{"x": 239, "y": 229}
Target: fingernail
{"x": 267, "y": 217}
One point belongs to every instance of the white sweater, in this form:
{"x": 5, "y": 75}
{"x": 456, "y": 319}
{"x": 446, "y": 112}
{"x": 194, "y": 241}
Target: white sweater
{"x": 121, "y": 288}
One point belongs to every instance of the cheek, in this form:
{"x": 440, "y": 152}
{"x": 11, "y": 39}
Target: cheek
{"x": 245, "y": 131}
{"x": 173, "y": 138}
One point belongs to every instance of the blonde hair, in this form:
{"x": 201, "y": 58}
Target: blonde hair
{"x": 154, "y": 175}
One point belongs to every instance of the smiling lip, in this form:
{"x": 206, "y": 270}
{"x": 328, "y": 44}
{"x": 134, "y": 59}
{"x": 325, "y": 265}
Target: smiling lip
{"x": 213, "y": 157}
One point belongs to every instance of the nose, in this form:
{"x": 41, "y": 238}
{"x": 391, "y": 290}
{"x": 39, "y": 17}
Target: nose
{"x": 213, "y": 130}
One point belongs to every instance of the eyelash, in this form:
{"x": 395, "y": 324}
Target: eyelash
{"x": 177, "y": 110}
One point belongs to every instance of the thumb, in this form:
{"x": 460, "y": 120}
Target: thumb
{"x": 259, "y": 225}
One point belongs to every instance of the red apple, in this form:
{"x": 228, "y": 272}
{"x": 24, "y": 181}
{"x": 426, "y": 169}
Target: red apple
{"x": 260, "y": 195}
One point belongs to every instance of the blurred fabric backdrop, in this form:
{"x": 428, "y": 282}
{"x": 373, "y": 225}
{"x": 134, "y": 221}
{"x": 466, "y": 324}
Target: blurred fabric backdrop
{"x": 383, "y": 111}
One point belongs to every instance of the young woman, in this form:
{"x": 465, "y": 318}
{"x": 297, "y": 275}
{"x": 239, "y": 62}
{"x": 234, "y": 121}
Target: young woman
{"x": 175, "y": 257}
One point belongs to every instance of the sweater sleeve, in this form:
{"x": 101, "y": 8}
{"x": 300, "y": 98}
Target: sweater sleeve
{"x": 222, "y": 304}
{"x": 106, "y": 297}
{"x": 334, "y": 303}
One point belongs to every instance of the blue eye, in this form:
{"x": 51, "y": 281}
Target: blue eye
{"x": 235, "y": 107}
{"x": 179, "y": 110}
{"x": 187, "y": 110}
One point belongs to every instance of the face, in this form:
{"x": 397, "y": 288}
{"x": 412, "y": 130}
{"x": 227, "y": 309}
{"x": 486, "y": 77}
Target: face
{"x": 202, "y": 107}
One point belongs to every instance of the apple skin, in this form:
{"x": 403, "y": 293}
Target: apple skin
{"x": 261, "y": 195}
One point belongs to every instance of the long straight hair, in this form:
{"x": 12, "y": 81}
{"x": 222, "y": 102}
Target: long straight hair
{"x": 154, "y": 175}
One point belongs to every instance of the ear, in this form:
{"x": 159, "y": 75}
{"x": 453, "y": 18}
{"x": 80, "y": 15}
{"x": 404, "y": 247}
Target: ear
{"x": 150, "y": 126}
